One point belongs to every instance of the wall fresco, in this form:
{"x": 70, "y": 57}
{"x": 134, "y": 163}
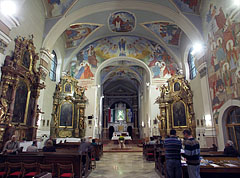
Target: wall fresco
{"x": 75, "y": 34}
{"x": 189, "y": 6}
{"x": 223, "y": 53}
{"x": 122, "y": 21}
{"x": 57, "y": 7}
{"x": 168, "y": 32}
{"x": 154, "y": 55}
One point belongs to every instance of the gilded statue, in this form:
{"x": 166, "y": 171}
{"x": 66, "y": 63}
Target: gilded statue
{"x": 3, "y": 109}
{"x": 163, "y": 91}
{"x": 80, "y": 91}
{"x": 81, "y": 123}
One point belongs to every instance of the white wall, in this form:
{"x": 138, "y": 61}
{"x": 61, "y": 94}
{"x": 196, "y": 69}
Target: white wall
{"x": 91, "y": 94}
{"x": 31, "y": 16}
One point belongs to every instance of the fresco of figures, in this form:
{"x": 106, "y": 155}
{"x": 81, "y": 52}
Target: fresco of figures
{"x": 223, "y": 54}
{"x": 168, "y": 32}
{"x": 76, "y": 33}
{"x": 57, "y": 7}
{"x": 154, "y": 55}
{"x": 189, "y": 6}
{"x": 121, "y": 21}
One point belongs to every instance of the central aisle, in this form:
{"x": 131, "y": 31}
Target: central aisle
{"x": 124, "y": 165}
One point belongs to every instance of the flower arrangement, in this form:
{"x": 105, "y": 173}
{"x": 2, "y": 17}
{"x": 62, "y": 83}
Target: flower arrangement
{"x": 121, "y": 138}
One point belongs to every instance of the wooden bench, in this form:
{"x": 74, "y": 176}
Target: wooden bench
{"x": 53, "y": 157}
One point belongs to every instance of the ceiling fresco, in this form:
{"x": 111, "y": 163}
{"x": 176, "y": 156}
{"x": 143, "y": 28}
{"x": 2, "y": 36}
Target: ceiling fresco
{"x": 121, "y": 72}
{"x": 57, "y": 8}
{"x": 122, "y": 21}
{"x": 168, "y": 32}
{"x": 188, "y": 6}
{"x": 76, "y": 33}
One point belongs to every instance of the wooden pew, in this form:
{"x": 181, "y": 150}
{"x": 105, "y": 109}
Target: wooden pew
{"x": 148, "y": 151}
{"x": 47, "y": 158}
{"x": 205, "y": 171}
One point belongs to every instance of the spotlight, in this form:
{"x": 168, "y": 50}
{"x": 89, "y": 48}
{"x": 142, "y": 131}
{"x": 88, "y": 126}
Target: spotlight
{"x": 236, "y": 2}
{"x": 8, "y": 7}
{"x": 197, "y": 47}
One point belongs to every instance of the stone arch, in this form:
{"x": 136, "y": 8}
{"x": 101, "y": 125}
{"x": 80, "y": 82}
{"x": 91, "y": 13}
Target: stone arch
{"x": 222, "y": 117}
{"x": 130, "y": 59}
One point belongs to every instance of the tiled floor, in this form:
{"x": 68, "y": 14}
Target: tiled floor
{"x": 124, "y": 165}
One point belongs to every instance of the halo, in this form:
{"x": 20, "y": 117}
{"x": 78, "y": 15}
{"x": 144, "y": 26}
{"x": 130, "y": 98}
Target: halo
{"x": 227, "y": 45}
{"x": 225, "y": 64}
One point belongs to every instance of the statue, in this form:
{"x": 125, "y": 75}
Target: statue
{"x": 3, "y": 109}
{"x": 80, "y": 91}
{"x": 37, "y": 114}
{"x": 163, "y": 91}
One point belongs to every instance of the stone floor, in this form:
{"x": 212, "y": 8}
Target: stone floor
{"x": 124, "y": 165}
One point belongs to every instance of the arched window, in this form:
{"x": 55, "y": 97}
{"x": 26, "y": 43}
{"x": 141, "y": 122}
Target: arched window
{"x": 52, "y": 73}
{"x": 233, "y": 126}
{"x": 192, "y": 68}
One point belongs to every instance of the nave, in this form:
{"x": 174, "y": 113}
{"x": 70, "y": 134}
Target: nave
{"x": 124, "y": 165}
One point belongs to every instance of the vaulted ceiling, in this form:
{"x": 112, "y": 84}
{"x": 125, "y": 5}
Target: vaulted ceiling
{"x": 81, "y": 22}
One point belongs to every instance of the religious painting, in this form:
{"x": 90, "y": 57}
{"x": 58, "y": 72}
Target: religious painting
{"x": 26, "y": 60}
{"x": 83, "y": 71}
{"x": 188, "y": 6}
{"x": 223, "y": 28}
{"x": 76, "y": 33}
{"x": 122, "y": 21}
{"x": 179, "y": 114}
{"x": 21, "y": 101}
{"x": 154, "y": 55}
{"x": 57, "y": 8}
{"x": 67, "y": 88}
{"x": 66, "y": 114}
{"x": 176, "y": 86}
{"x": 31, "y": 108}
{"x": 168, "y": 32}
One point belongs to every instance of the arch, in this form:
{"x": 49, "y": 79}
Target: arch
{"x": 222, "y": 134}
{"x": 130, "y": 59}
{"x": 180, "y": 20}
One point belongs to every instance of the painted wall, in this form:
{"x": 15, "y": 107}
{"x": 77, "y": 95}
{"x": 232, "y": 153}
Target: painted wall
{"x": 221, "y": 31}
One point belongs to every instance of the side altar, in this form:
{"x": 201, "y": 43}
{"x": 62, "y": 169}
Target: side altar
{"x": 20, "y": 90}
{"x": 176, "y": 107}
{"x": 69, "y": 102}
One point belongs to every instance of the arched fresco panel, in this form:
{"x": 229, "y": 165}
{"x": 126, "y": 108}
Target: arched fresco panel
{"x": 168, "y": 32}
{"x": 57, "y": 8}
{"x": 76, "y": 33}
{"x": 154, "y": 55}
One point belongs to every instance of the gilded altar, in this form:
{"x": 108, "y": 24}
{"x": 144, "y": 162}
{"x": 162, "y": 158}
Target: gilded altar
{"x": 68, "y": 115}
{"x": 20, "y": 90}
{"x": 176, "y": 107}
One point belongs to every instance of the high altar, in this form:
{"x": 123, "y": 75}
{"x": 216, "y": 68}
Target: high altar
{"x": 176, "y": 107}
{"x": 69, "y": 104}
{"x": 20, "y": 90}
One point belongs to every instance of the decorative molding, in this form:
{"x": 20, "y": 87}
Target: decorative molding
{"x": 45, "y": 58}
{"x": 202, "y": 69}
{"x": 9, "y": 21}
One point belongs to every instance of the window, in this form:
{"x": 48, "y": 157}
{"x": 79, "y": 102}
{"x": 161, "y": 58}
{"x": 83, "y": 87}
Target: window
{"x": 192, "y": 68}
{"x": 52, "y": 73}
{"x": 48, "y": 122}
{"x": 233, "y": 126}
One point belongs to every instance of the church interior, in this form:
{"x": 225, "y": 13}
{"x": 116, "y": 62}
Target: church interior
{"x": 120, "y": 72}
